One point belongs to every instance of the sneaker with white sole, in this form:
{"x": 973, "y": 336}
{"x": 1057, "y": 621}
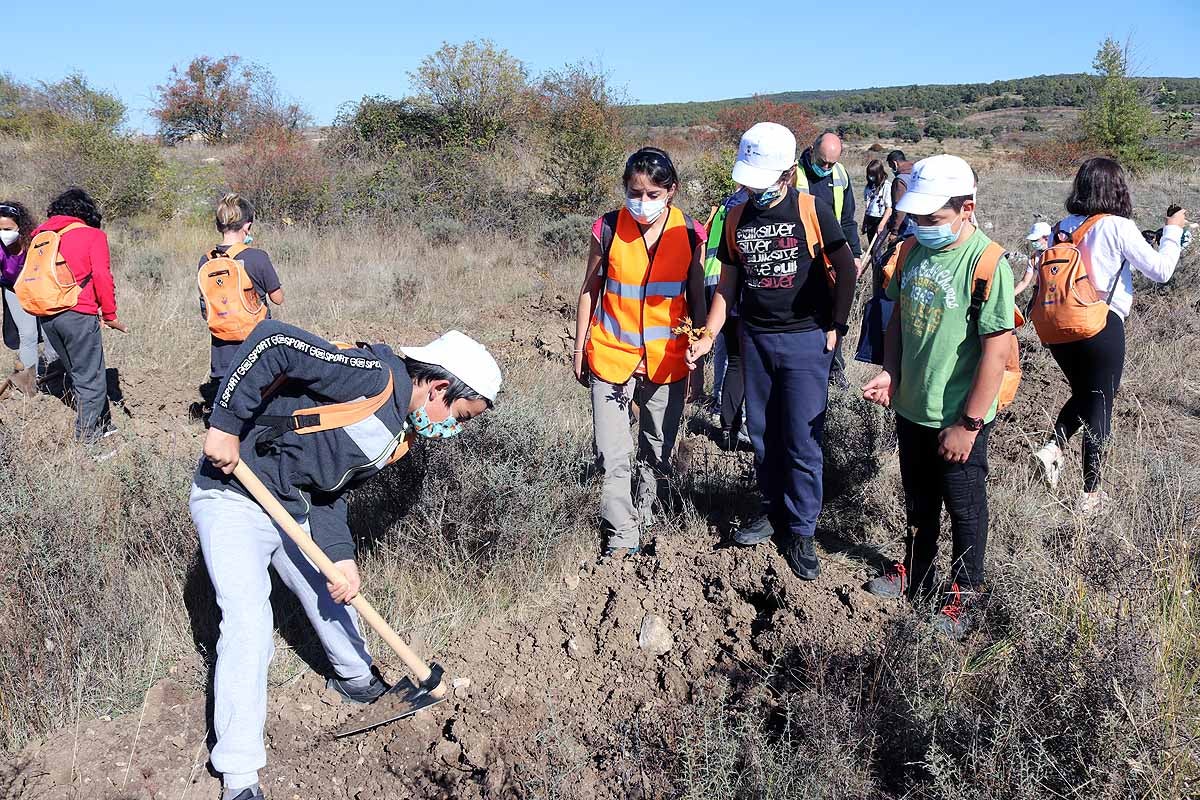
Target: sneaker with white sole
{"x": 1050, "y": 457}
{"x": 1093, "y": 504}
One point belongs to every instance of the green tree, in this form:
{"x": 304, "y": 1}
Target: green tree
{"x": 939, "y": 128}
{"x": 476, "y": 84}
{"x": 74, "y": 99}
{"x": 1119, "y": 120}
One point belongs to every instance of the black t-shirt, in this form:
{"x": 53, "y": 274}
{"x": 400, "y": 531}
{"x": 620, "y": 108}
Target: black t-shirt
{"x": 780, "y": 290}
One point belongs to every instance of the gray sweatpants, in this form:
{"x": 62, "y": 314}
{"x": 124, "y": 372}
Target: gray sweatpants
{"x": 77, "y": 340}
{"x": 27, "y": 329}
{"x": 626, "y": 506}
{"x": 239, "y": 541}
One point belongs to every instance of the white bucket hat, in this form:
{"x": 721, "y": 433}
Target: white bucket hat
{"x": 766, "y": 151}
{"x": 934, "y": 181}
{"x": 464, "y": 358}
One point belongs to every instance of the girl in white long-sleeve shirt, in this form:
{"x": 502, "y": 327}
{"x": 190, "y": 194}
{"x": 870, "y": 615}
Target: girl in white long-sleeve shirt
{"x": 1112, "y": 249}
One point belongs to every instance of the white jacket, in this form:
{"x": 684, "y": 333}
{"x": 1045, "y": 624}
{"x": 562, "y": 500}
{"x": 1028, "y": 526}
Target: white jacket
{"x": 1116, "y": 241}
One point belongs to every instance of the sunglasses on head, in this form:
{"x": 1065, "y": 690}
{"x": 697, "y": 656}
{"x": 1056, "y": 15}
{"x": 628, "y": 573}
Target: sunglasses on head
{"x": 11, "y": 212}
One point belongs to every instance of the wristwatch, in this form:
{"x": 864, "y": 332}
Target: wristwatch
{"x": 972, "y": 423}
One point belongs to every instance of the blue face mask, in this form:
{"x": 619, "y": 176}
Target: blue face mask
{"x": 821, "y": 172}
{"x": 764, "y": 199}
{"x": 248, "y": 239}
{"x": 446, "y": 429}
{"x": 935, "y": 237}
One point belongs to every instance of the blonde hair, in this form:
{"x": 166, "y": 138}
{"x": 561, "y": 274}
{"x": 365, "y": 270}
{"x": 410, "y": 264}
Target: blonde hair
{"x": 233, "y": 212}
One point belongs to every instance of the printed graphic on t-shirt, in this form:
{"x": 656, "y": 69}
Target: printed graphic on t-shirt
{"x": 770, "y": 254}
{"x": 927, "y": 290}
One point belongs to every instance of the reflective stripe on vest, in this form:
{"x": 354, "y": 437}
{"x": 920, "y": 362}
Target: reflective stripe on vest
{"x": 643, "y": 299}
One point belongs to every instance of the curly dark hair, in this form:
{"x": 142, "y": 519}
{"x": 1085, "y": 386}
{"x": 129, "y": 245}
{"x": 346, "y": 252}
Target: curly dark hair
{"x": 75, "y": 202}
{"x": 18, "y": 213}
{"x": 1100, "y": 188}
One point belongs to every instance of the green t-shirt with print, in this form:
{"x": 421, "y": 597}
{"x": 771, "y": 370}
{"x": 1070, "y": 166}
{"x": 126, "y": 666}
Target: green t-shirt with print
{"x": 940, "y": 347}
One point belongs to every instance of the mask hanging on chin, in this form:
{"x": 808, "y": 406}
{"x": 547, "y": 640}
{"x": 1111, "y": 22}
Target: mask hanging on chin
{"x": 767, "y": 196}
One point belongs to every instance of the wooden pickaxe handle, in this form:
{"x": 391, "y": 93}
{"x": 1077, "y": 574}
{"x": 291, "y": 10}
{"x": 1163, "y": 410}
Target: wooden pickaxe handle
{"x": 316, "y": 555}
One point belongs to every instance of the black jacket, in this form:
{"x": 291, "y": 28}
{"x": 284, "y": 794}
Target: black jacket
{"x": 309, "y": 473}
{"x": 823, "y": 188}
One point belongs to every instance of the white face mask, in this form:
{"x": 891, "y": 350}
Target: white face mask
{"x": 8, "y": 237}
{"x": 645, "y": 211}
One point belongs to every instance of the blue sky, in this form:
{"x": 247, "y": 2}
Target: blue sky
{"x": 329, "y": 53}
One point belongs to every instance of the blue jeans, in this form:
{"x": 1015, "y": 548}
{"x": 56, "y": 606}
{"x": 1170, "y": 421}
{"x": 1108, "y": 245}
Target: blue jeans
{"x": 787, "y": 392}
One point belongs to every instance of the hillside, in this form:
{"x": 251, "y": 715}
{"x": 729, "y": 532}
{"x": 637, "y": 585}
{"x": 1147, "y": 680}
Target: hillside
{"x": 951, "y": 100}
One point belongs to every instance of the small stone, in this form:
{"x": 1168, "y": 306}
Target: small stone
{"x": 655, "y": 637}
{"x": 572, "y": 648}
{"x": 572, "y": 582}
{"x": 461, "y": 683}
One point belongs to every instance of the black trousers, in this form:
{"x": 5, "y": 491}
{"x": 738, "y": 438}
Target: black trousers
{"x": 931, "y": 482}
{"x": 77, "y": 340}
{"x": 1093, "y": 368}
{"x": 733, "y": 391}
{"x": 870, "y": 226}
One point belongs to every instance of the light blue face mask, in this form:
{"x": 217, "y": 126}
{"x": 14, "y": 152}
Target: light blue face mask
{"x": 248, "y": 239}
{"x": 935, "y": 237}
{"x": 446, "y": 429}
{"x": 764, "y": 199}
{"x": 821, "y": 172}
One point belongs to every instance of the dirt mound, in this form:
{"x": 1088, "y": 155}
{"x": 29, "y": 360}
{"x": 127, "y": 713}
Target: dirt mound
{"x": 546, "y": 695}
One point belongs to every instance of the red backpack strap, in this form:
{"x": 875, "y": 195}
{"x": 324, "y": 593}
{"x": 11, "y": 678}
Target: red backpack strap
{"x": 981, "y": 283}
{"x": 732, "y": 218}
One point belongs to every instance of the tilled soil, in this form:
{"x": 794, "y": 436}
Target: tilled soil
{"x": 556, "y": 698}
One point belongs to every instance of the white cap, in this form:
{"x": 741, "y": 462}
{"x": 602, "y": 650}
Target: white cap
{"x": 1038, "y": 230}
{"x": 464, "y": 358}
{"x": 934, "y": 181}
{"x": 766, "y": 151}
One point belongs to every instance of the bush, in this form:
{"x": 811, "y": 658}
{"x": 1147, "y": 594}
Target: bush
{"x": 379, "y": 127}
{"x": 222, "y": 99}
{"x": 283, "y": 175}
{"x": 736, "y": 120}
{"x": 566, "y": 236}
{"x": 1060, "y": 156}
{"x": 125, "y": 176}
{"x": 710, "y": 177}
{"x": 482, "y": 88}
{"x": 581, "y": 125}
{"x": 26, "y": 110}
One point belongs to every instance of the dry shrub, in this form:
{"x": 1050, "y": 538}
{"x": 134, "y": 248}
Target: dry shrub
{"x": 735, "y": 120}
{"x": 1059, "y": 156}
{"x": 283, "y": 175}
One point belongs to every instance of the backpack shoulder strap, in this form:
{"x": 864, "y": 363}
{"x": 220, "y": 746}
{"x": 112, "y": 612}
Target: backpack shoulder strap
{"x": 72, "y": 227}
{"x": 906, "y": 248}
{"x": 732, "y": 217}
{"x": 608, "y": 229}
{"x": 812, "y": 226}
{"x": 1078, "y": 234}
{"x": 234, "y": 250}
{"x": 693, "y": 234}
{"x": 981, "y": 283}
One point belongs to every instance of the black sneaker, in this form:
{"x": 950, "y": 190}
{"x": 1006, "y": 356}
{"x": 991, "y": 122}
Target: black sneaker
{"x": 892, "y": 584}
{"x": 360, "y": 694}
{"x": 251, "y": 793}
{"x": 802, "y": 558}
{"x": 957, "y": 617}
{"x": 620, "y": 553}
{"x": 757, "y": 532}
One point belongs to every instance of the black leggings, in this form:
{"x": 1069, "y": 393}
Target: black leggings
{"x": 733, "y": 391}
{"x": 1093, "y": 368}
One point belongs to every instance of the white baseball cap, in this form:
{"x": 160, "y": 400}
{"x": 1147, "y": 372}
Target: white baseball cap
{"x": 934, "y": 181}
{"x": 1038, "y": 230}
{"x": 766, "y": 151}
{"x": 464, "y": 358}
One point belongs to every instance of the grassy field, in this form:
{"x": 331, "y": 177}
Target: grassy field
{"x": 1082, "y": 683}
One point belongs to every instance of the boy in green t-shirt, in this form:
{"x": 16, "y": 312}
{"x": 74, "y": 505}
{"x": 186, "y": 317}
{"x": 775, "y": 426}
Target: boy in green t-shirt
{"x": 943, "y": 366}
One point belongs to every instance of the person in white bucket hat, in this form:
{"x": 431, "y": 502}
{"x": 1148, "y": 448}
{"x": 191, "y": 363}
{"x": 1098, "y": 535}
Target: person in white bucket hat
{"x": 944, "y": 360}
{"x": 785, "y": 258}
{"x": 313, "y": 420}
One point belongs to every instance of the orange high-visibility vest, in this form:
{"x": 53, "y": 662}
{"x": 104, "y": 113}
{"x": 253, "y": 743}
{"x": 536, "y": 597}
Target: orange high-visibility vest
{"x": 641, "y": 301}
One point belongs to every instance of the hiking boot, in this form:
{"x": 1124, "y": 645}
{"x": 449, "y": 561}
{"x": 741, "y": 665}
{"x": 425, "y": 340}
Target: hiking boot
{"x": 958, "y": 616}
{"x": 1050, "y": 458}
{"x": 802, "y": 558}
{"x": 757, "y": 532}
{"x": 1094, "y": 504}
{"x": 25, "y": 381}
{"x": 892, "y": 584}
{"x": 250, "y": 793}
{"x": 362, "y": 695}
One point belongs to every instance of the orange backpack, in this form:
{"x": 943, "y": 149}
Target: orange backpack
{"x": 1066, "y": 306}
{"x": 985, "y": 270}
{"x": 330, "y": 417}
{"x": 232, "y": 306}
{"x": 812, "y": 232}
{"x": 46, "y": 285}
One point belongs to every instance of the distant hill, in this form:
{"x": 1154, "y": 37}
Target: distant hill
{"x": 949, "y": 100}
